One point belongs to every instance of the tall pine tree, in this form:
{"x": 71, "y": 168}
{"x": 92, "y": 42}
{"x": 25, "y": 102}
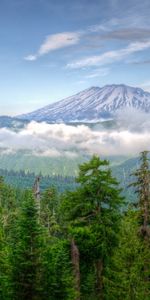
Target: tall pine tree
{"x": 26, "y": 252}
{"x": 92, "y": 215}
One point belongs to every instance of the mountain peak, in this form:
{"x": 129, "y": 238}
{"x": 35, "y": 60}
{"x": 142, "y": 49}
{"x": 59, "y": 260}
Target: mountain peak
{"x": 94, "y": 103}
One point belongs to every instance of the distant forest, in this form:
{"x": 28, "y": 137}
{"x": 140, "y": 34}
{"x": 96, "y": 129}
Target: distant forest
{"x": 25, "y": 180}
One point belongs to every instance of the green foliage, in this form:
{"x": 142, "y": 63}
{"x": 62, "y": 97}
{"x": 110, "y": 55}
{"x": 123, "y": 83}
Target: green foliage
{"x": 26, "y": 251}
{"x": 80, "y": 244}
{"x": 142, "y": 185}
{"x": 126, "y": 276}
{"x": 58, "y": 277}
{"x": 92, "y": 213}
{"x": 60, "y": 173}
{"x": 24, "y": 180}
{"x": 26, "y": 161}
{"x": 7, "y": 217}
{"x": 131, "y": 262}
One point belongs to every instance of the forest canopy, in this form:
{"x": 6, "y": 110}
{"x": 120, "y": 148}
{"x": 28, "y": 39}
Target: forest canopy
{"x": 86, "y": 243}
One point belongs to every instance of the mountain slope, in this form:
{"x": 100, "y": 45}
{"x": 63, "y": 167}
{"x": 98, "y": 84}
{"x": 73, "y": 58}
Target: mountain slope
{"x": 13, "y": 123}
{"x": 94, "y": 103}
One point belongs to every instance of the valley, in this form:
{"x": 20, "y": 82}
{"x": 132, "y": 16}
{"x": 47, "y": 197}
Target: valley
{"x": 52, "y": 140}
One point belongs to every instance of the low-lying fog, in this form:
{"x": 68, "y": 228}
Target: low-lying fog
{"x": 130, "y": 136}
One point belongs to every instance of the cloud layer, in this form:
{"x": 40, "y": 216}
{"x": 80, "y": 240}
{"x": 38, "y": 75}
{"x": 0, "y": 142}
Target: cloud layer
{"x": 56, "y": 140}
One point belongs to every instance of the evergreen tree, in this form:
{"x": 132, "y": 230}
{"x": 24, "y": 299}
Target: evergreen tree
{"x": 142, "y": 185}
{"x": 4, "y": 263}
{"x": 78, "y": 246}
{"x": 57, "y": 276}
{"x": 92, "y": 214}
{"x": 131, "y": 269}
{"x": 7, "y": 217}
{"x": 26, "y": 252}
{"x": 126, "y": 276}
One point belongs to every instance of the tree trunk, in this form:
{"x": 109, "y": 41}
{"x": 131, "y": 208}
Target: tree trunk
{"x": 36, "y": 191}
{"x": 75, "y": 257}
{"x": 99, "y": 279}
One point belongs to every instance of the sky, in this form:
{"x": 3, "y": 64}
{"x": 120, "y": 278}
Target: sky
{"x": 52, "y": 49}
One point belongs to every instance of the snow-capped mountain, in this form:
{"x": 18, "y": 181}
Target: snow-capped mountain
{"x": 95, "y": 103}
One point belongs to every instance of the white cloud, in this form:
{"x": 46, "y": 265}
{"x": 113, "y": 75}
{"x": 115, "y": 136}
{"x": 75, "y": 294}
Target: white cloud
{"x": 134, "y": 28}
{"x": 30, "y": 57}
{"x": 55, "y": 42}
{"x": 56, "y": 140}
{"x": 110, "y": 56}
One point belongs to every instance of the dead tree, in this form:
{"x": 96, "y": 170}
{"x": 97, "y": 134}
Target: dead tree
{"x": 36, "y": 191}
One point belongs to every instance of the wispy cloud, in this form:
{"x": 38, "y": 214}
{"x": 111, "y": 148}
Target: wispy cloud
{"x": 123, "y": 34}
{"x": 140, "y": 62}
{"x": 124, "y": 29}
{"x": 30, "y": 57}
{"x": 110, "y": 56}
{"x": 128, "y": 34}
{"x": 98, "y": 73}
{"x": 55, "y": 42}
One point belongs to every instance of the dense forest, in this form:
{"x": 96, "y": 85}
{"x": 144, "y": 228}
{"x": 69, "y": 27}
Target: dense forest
{"x": 22, "y": 180}
{"x": 88, "y": 243}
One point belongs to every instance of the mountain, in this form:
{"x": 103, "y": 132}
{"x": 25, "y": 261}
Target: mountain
{"x": 93, "y": 104}
{"x": 13, "y": 123}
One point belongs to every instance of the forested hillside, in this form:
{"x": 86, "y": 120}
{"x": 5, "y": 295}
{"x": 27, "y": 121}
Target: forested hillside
{"x": 82, "y": 244}
{"x": 23, "y": 180}
{"x": 26, "y": 161}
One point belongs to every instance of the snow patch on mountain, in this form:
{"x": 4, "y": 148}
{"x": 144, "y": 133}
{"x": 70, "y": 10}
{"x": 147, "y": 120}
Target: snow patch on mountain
{"x": 95, "y": 103}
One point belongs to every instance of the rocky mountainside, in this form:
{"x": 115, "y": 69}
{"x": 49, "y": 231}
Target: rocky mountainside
{"x": 93, "y": 104}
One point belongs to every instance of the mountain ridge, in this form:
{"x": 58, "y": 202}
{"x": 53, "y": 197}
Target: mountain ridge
{"x": 95, "y": 103}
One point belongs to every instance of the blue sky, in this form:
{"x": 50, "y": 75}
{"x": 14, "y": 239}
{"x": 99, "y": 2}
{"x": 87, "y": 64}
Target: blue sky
{"x": 51, "y": 49}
